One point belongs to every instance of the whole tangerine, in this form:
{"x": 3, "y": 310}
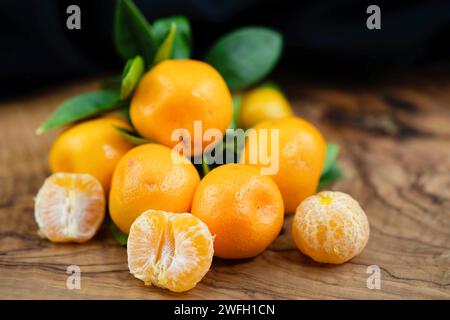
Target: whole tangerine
{"x": 263, "y": 103}
{"x": 174, "y": 94}
{"x": 151, "y": 176}
{"x": 242, "y": 208}
{"x": 92, "y": 147}
{"x": 330, "y": 227}
{"x": 297, "y": 156}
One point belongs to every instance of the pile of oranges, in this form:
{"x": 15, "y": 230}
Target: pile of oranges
{"x": 175, "y": 220}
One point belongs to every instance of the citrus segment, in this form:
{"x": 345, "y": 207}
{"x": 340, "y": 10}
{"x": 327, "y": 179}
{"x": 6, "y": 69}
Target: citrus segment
{"x": 169, "y": 250}
{"x": 69, "y": 207}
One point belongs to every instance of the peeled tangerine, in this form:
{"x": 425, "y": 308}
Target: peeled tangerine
{"x": 330, "y": 227}
{"x": 169, "y": 250}
{"x": 69, "y": 207}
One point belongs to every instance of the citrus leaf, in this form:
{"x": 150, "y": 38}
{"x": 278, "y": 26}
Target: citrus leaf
{"x": 131, "y": 137}
{"x": 132, "y": 73}
{"x": 333, "y": 174}
{"x": 245, "y": 56}
{"x": 270, "y": 84}
{"x": 165, "y": 49}
{"x": 331, "y": 154}
{"x": 205, "y": 166}
{"x": 81, "y": 107}
{"x": 117, "y": 234}
{"x": 237, "y": 100}
{"x": 133, "y": 35}
{"x": 182, "y": 41}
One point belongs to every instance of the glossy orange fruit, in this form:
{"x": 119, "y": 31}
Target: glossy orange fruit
{"x": 174, "y": 94}
{"x": 243, "y": 210}
{"x": 330, "y": 227}
{"x": 263, "y": 103}
{"x": 93, "y": 147}
{"x": 297, "y": 157}
{"x": 69, "y": 207}
{"x": 151, "y": 176}
{"x": 169, "y": 250}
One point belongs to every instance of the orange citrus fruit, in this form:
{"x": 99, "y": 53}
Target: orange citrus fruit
{"x": 174, "y": 94}
{"x": 243, "y": 210}
{"x": 151, "y": 176}
{"x": 263, "y": 103}
{"x": 298, "y": 156}
{"x": 93, "y": 147}
{"x": 169, "y": 250}
{"x": 330, "y": 227}
{"x": 69, "y": 207}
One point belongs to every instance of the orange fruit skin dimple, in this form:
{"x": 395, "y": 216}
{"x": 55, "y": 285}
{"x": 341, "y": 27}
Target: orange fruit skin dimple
{"x": 301, "y": 153}
{"x": 69, "y": 207}
{"x": 169, "y": 250}
{"x": 151, "y": 176}
{"x": 330, "y": 227}
{"x": 174, "y": 94}
{"x": 243, "y": 210}
{"x": 93, "y": 147}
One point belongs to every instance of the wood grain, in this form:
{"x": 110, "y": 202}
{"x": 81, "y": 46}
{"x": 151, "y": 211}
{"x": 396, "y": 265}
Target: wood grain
{"x": 396, "y": 156}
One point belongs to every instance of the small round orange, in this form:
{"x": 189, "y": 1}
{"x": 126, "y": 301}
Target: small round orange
{"x": 169, "y": 250}
{"x": 296, "y": 157}
{"x": 92, "y": 147}
{"x": 69, "y": 207}
{"x": 330, "y": 227}
{"x": 263, "y": 103}
{"x": 151, "y": 176}
{"x": 242, "y": 208}
{"x": 174, "y": 94}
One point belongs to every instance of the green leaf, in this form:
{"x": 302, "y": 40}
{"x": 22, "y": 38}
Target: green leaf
{"x": 131, "y": 136}
{"x": 81, "y": 107}
{"x": 133, "y": 35}
{"x": 331, "y": 154}
{"x": 165, "y": 49}
{"x": 205, "y": 166}
{"x": 271, "y": 84}
{"x": 237, "y": 100}
{"x": 117, "y": 234}
{"x": 182, "y": 41}
{"x": 332, "y": 175}
{"x": 132, "y": 73}
{"x": 245, "y": 56}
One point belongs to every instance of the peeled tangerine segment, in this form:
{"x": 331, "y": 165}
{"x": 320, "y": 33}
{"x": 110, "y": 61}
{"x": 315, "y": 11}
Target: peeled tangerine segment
{"x": 169, "y": 250}
{"x": 69, "y": 207}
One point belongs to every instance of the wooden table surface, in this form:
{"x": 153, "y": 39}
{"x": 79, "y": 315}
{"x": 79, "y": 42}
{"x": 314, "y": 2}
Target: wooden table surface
{"x": 395, "y": 151}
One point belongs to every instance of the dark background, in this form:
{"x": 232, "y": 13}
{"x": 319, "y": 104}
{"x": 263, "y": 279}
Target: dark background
{"x": 323, "y": 39}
